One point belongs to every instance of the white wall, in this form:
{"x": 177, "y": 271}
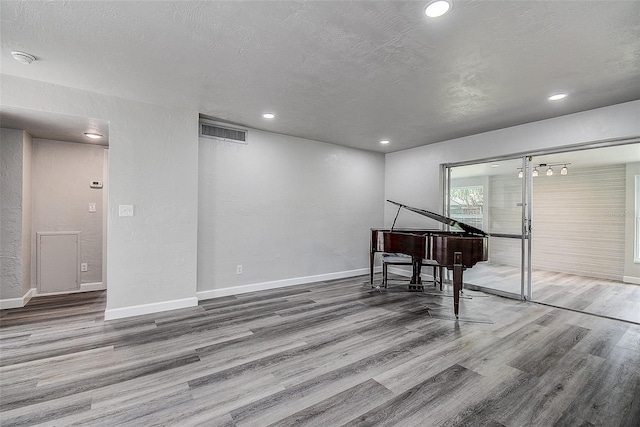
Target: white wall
{"x": 61, "y": 196}
{"x": 153, "y": 166}
{"x": 28, "y": 251}
{"x": 15, "y": 158}
{"x": 413, "y": 177}
{"x": 284, "y": 208}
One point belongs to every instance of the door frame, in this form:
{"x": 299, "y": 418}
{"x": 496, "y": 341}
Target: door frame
{"x": 526, "y": 236}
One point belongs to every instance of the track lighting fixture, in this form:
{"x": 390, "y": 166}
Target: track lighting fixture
{"x": 549, "y": 172}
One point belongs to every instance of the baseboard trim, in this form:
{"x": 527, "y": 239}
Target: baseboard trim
{"x": 243, "y": 289}
{"x": 95, "y": 286}
{"x": 17, "y": 302}
{"x": 138, "y": 310}
{"x": 84, "y": 287}
{"x": 631, "y": 279}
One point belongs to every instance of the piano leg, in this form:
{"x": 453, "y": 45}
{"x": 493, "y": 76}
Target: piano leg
{"x": 371, "y": 261}
{"x": 416, "y": 281}
{"x": 457, "y": 281}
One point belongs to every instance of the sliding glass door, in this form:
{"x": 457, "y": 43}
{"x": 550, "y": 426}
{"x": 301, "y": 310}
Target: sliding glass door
{"x": 494, "y": 196}
{"x": 583, "y": 206}
{"x": 562, "y": 226}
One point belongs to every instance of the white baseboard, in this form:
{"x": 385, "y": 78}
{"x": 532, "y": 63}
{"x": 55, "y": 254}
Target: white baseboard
{"x": 95, "y": 286}
{"x": 84, "y": 287}
{"x": 137, "y": 310}
{"x": 17, "y": 302}
{"x": 243, "y": 289}
{"x": 631, "y": 279}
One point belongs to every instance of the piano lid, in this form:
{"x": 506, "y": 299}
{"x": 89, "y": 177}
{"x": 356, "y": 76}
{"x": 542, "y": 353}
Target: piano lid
{"x": 443, "y": 219}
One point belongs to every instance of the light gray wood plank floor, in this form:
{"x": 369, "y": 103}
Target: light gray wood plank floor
{"x": 602, "y": 297}
{"x": 324, "y": 354}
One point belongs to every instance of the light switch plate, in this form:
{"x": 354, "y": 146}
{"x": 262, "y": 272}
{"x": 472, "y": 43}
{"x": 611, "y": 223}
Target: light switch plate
{"x": 92, "y": 207}
{"x": 125, "y": 210}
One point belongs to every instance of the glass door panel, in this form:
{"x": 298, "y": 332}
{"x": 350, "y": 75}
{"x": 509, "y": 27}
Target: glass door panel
{"x": 490, "y": 196}
{"x": 584, "y": 230}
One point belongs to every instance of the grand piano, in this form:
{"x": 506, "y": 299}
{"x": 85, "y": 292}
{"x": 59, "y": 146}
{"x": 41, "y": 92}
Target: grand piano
{"x": 455, "y": 250}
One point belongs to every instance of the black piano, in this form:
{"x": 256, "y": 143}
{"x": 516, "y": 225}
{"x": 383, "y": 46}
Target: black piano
{"x": 454, "y": 250}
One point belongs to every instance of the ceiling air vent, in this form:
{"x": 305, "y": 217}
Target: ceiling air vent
{"x": 223, "y": 132}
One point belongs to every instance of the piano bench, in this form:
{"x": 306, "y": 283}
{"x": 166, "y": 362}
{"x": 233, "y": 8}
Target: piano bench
{"x": 401, "y": 259}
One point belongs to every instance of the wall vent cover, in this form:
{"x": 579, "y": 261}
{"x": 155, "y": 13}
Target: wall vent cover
{"x": 223, "y": 132}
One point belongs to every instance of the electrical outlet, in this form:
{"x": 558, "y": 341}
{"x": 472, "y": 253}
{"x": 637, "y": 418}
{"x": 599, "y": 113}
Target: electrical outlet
{"x": 125, "y": 210}
{"x": 84, "y": 266}
{"x": 239, "y": 269}
{"x": 92, "y": 207}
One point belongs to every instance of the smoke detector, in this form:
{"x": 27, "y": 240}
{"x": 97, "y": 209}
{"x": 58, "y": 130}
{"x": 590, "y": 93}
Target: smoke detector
{"x": 22, "y": 57}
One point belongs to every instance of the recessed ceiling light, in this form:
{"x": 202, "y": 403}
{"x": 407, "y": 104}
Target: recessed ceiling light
{"x": 384, "y": 141}
{"x": 437, "y": 8}
{"x": 23, "y": 57}
{"x": 268, "y": 115}
{"x": 92, "y": 135}
{"x": 557, "y": 97}
{"x": 495, "y": 166}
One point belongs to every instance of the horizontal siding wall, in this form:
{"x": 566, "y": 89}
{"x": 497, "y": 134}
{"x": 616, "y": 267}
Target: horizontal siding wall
{"x": 575, "y": 227}
{"x": 505, "y": 216}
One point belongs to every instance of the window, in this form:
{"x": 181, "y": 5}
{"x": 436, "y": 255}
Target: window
{"x": 467, "y": 205}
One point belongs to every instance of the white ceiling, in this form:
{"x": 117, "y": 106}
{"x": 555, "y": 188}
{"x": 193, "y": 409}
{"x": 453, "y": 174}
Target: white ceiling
{"x": 344, "y": 72}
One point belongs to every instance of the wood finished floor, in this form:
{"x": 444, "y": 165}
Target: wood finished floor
{"x": 601, "y": 297}
{"x": 325, "y": 354}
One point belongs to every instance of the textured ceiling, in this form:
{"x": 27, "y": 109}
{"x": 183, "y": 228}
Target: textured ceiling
{"x": 344, "y": 72}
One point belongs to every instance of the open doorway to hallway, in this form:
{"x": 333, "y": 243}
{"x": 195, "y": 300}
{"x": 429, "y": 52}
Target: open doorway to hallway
{"x": 61, "y": 208}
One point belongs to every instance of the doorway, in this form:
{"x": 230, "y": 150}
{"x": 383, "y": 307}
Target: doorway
{"x": 63, "y": 202}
